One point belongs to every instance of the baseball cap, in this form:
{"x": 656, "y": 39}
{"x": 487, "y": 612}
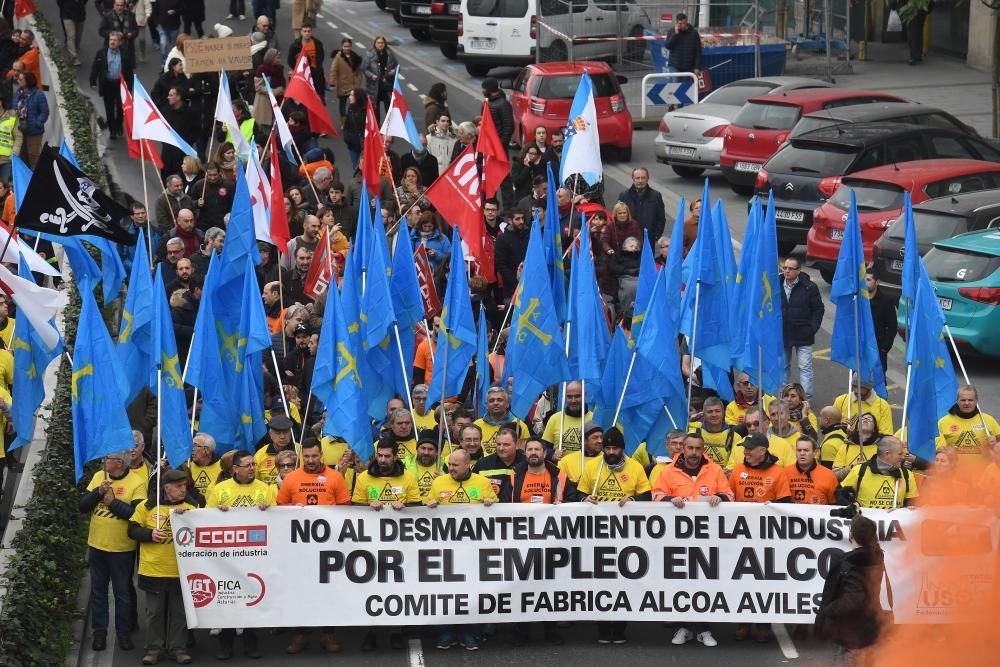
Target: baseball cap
{"x": 755, "y": 440}
{"x": 590, "y": 427}
{"x": 302, "y": 328}
{"x": 280, "y": 423}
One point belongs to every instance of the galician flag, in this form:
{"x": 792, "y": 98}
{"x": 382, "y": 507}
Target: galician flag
{"x": 582, "y": 150}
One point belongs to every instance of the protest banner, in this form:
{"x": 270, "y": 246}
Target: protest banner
{"x": 231, "y": 54}
{"x": 425, "y": 278}
{"x": 328, "y": 566}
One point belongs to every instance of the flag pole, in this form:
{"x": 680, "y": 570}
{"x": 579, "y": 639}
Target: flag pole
{"x": 583, "y": 422}
{"x": 305, "y": 418}
{"x": 208, "y": 157}
{"x": 406, "y": 383}
{"x": 694, "y": 334}
{"x": 309, "y": 176}
{"x": 906, "y": 397}
{"x": 281, "y": 384}
{"x": 159, "y": 438}
{"x": 430, "y": 348}
{"x": 562, "y": 397}
{"x": 281, "y": 307}
{"x": 145, "y": 202}
{"x": 857, "y": 353}
{"x": 760, "y": 377}
{"x": 965, "y": 375}
{"x": 503, "y": 325}
{"x": 444, "y": 388}
{"x": 194, "y": 409}
{"x": 621, "y": 398}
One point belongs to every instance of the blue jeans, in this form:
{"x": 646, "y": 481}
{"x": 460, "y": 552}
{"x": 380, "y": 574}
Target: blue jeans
{"x": 114, "y": 568}
{"x": 804, "y": 361}
{"x": 168, "y": 37}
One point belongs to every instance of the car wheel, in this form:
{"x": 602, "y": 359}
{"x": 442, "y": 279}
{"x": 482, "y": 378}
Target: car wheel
{"x": 827, "y": 275}
{"x": 449, "y": 51}
{"x": 421, "y": 34}
{"x": 625, "y": 154}
{"x": 634, "y": 51}
{"x": 785, "y": 248}
{"x": 477, "y": 69}
{"x": 744, "y": 190}
{"x": 380, "y": 4}
{"x": 396, "y": 17}
{"x": 557, "y": 52}
{"x": 687, "y": 172}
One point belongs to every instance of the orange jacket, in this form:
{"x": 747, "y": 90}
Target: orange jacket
{"x": 710, "y": 481}
{"x": 32, "y": 63}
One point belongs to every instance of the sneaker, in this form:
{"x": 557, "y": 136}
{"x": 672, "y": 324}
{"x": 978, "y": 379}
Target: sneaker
{"x": 230, "y": 16}
{"x": 618, "y": 633}
{"x": 706, "y": 639}
{"x": 603, "y": 634}
{"x": 125, "y": 643}
{"x": 446, "y": 641}
{"x": 682, "y": 636}
{"x": 243, "y": 17}
{"x": 470, "y": 643}
{"x": 214, "y": 632}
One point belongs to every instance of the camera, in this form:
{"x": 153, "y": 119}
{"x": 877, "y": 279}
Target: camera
{"x": 845, "y": 512}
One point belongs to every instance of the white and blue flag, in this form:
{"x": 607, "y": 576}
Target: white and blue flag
{"x": 582, "y": 150}
{"x": 149, "y": 123}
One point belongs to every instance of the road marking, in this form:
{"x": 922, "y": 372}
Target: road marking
{"x": 347, "y": 36}
{"x": 412, "y": 87}
{"x": 416, "y": 653}
{"x": 400, "y": 77}
{"x": 318, "y": 15}
{"x": 332, "y": 24}
{"x": 784, "y": 641}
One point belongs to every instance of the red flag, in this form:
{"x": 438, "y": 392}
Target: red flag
{"x": 319, "y": 276}
{"x": 280, "y": 234}
{"x": 24, "y": 8}
{"x": 374, "y": 162}
{"x": 148, "y": 149}
{"x": 496, "y": 164}
{"x": 425, "y": 278}
{"x": 301, "y": 89}
{"x": 456, "y": 195}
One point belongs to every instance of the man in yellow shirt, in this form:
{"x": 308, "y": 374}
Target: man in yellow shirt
{"x": 471, "y": 440}
{"x": 400, "y": 431}
{"x": 833, "y": 435}
{"x": 497, "y": 415}
{"x": 159, "y": 577}
{"x": 675, "y": 445}
{"x": 110, "y": 499}
{"x": 719, "y": 436}
{"x": 279, "y": 432}
{"x": 425, "y": 465}
{"x": 573, "y": 464}
{"x": 861, "y": 446}
{"x": 881, "y": 482}
{"x": 747, "y": 396}
{"x": 971, "y": 432}
{"x": 425, "y": 418}
{"x": 570, "y": 420}
{"x": 243, "y": 489}
{"x": 757, "y": 422}
{"x": 204, "y": 465}
{"x": 870, "y": 402}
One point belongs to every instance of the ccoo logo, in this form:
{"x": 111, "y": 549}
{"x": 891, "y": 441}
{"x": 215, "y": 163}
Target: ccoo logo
{"x": 466, "y": 175}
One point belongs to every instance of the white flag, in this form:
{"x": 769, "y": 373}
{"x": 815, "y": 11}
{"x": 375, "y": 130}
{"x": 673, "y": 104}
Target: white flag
{"x": 224, "y": 114}
{"x": 38, "y": 304}
{"x": 260, "y": 197}
{"x": 582, "y": 149}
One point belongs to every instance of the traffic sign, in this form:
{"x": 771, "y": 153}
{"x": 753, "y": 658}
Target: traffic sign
{"x": 670, "y": 93}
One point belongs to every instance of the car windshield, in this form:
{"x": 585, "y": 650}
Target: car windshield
{"x": 563, "y": 87}
{"x": 870, "y": 196}
{"x": 498, "y": 8}
{"x": 809, "y": 123}
{"x": 763, "y": 116}
{"x": 930, "y": 227}
{"x": 964, "y": 183}
{"x": 818, "y": 159}
{"x": 737, "y": 95}
{"x": 950, "y": 265}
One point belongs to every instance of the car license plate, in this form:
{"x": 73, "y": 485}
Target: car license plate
{"x": 680, "y": 151}
{"x": 897, "y": 265}
{"x": 791, "y": 216}
{"x": 945, "y": 303}
{"x": 488, "y": 43}
{"x": 835, "y": 234}
{"x": 422, "y": 9}
{"x": 748, "y": 167}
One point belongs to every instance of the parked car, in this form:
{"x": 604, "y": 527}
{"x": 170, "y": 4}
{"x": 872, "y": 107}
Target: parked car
{"x": 879, "y": 194}
{"x": 497, "y": 33}
{"x": 934, "y": 220}
{"x": 542, "y": 95}
{"x": 900, "y": 112}
{"x": 965, "y": 271}
{"x": 690, "y": 138}
{"x": 763, "y": 124}
{"x": 416, "y": 15}
{"x": 444, "y": 26}
{"x": 807, "y": 171}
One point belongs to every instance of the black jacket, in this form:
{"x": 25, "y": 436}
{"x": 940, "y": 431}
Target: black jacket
{"x": 510, "y": 488}
{"x": 218, "y": 202}
{"x": 850, "y": 613}
{"x": 319, "y": 77}
{"x": 496, "y": 470}
{"x": 647, "y": 208}
{"x": 685, "y": 50}
{"x": 427, "y": 165}
{"x": 99, "y": 68}
{"x": 884, "y": 318}
{"x": 73, "y": 10}
{"x": 510, "y": 250}
{"x": 503, "y": 116}
{"x": 124, "y": 24}
{"x": 801, "y": 312}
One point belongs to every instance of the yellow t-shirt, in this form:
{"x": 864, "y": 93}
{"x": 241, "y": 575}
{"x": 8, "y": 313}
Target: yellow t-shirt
{"x": 333, "y": 451}
{"x": 968, "y": 436}
{"x": 108, "y": 532}
{"x": 850, "y": 454}
{"x": 158, "y": 559}
{"x": 404, "y": 448}
{"x": 657, "y": 470}
{"x": 875, "y": 405}
{"x": 715, "y": 443}
{"x": 572, "y": 465}
{"x": 6, "y": 369}
{"x": 205, "y": 477}
{"x": 424, "y": 475}
{"x": 832, "y": 443}
{"x": 604, "y": 483}
{"x": 641, "y": 455}
{"x": 234, "y": 494}
{"x": 448, "y": 491}
{"x": 572, "y": 434}
{"x": 386, "y": 489}
{"x": 426, "y": 420}
{"x": 267, "y": 467}
{"x": 877, "y": 490}
{"x": 7, "y": 332}
{"x": 735, "y": 414}
{"x": 775, "y": 445}
{"x": 490, "y": 433}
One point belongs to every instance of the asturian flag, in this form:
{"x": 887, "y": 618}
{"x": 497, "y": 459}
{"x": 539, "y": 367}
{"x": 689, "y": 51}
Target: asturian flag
{"x": 149, "y": 123}
{"x": 260, "y": 197}
{"x": 399, "y": 121}
{"x": 582, "y": 150}
{"x": 225, "y": 115}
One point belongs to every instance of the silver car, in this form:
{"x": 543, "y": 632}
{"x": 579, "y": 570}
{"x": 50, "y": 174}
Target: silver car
{"x": 690, "y": 138}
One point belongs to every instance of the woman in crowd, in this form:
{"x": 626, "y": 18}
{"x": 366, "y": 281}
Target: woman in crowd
{"x": 427, "y": 232}
{"x": 354, "y": 123}
{"x": 410, "y": 190}
{"x": 272, "y": 71}
{"x": 379, "y": 69}
{"x": 192, "y": 173}
{"x": 799, "y": 412}
{"x": 174, "y": 77}
{"x": 345, "y": 75}
{"x": 436, "y": 104}
{"x": 228, "y": 163}
{"x": 524, "y": 170}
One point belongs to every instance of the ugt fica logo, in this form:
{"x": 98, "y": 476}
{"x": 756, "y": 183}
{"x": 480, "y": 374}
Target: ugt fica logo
{"x": 247, "y": 591}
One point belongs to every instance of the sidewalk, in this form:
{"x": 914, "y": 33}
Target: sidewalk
{"x": 939, "y": 81}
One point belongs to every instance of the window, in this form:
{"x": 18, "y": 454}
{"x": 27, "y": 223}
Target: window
{"x": 986, "y": 151}
{"x": 766, "y": 116}
{"x": 936, "y": 119}
{"x": 521, "y": 82}
{"x": 851, "y": 101}
{"x": 905, "y": 150}
{"x": 803, "y": 157}
{"x": 871, "y": 196}
{"x": 959, "y": 184}
{"x": 508, "y": 9}
{"x": 564, "y": 87}
{"x": 736, "y": 95}
{"x": 560, "y": 7}
{"x": 946, "y": 146}
{"x": 873, "y": 157}
{"x": 930, "y": 227}
{"x": 808, "y": 124}
{"x": 953, "y": 265}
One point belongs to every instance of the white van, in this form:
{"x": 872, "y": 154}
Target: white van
{"x": 495, "y": 33}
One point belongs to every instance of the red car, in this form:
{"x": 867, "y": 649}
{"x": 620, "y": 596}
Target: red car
{"x": 543, "y": 94}
{"x": 879, "y": 193}
{"x": 764, "y": 123}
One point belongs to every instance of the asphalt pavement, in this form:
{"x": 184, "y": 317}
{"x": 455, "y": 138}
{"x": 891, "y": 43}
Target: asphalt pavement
{"x": 943, "y": 82}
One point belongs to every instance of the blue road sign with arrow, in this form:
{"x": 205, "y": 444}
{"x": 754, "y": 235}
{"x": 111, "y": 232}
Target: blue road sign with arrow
{"x": 670, "y": 93}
